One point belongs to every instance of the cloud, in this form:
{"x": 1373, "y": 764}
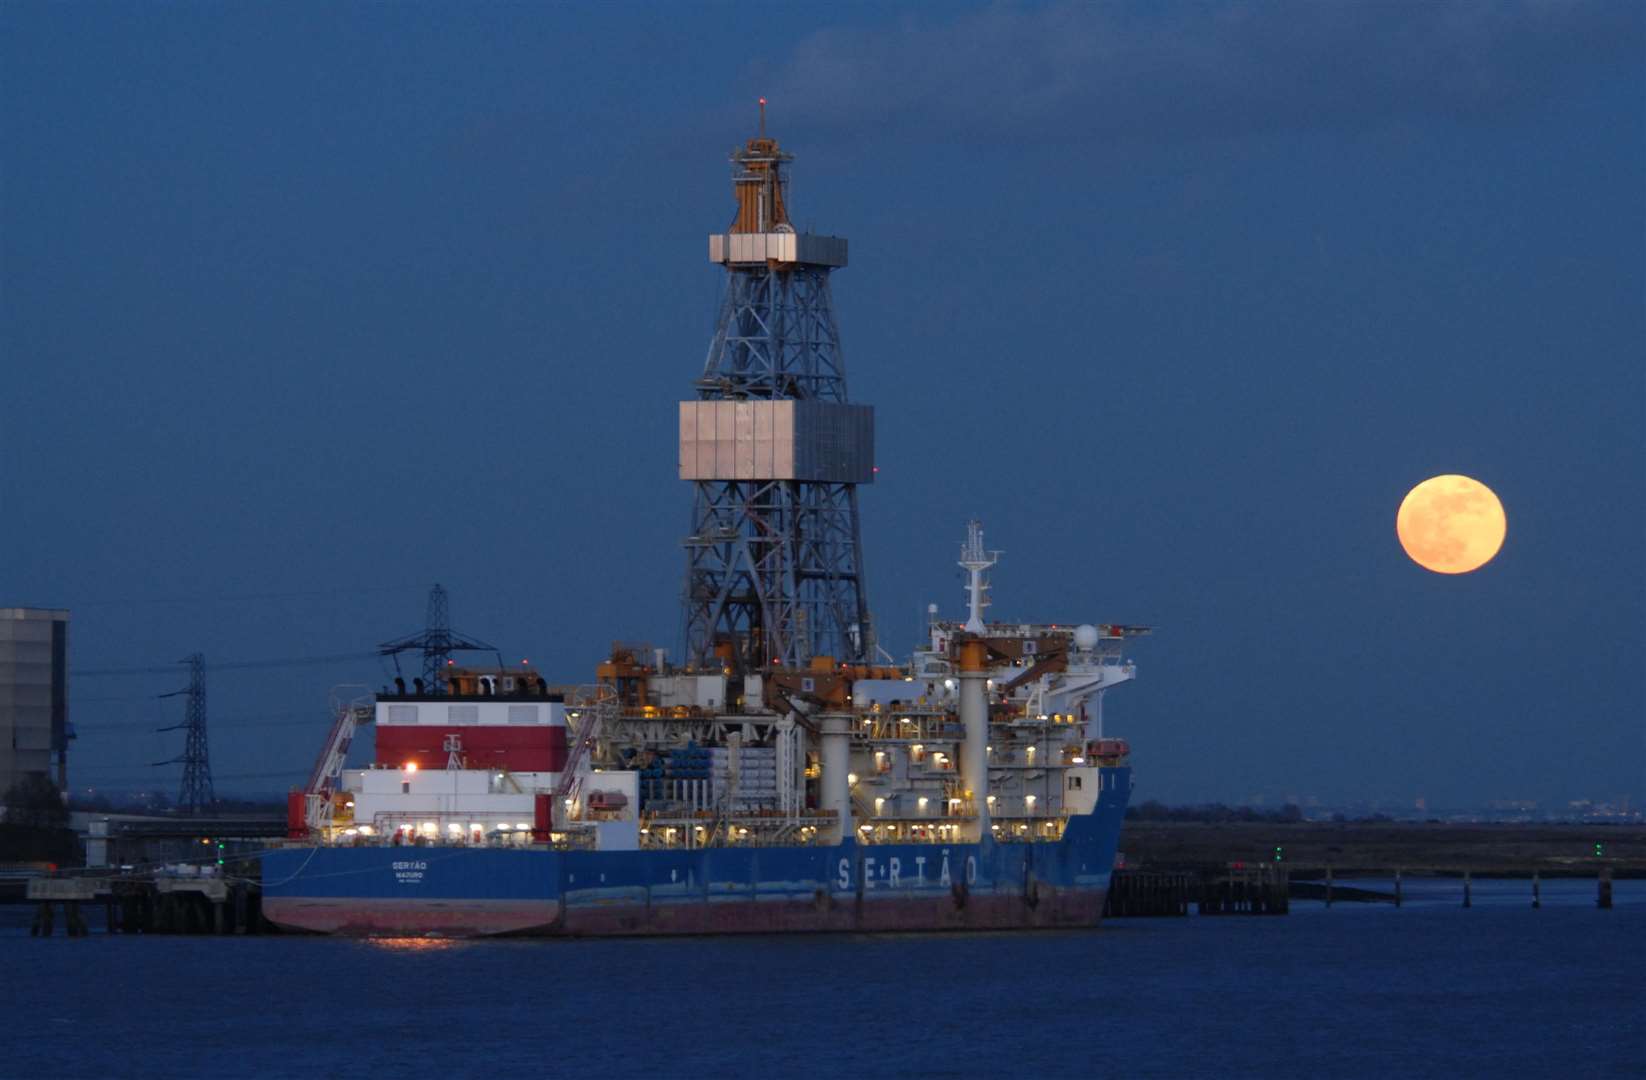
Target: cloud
{"x": 1077, "y": 71}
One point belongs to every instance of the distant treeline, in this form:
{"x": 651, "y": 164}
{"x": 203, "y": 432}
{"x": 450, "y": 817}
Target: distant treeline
{"x": 1213, "y": 812}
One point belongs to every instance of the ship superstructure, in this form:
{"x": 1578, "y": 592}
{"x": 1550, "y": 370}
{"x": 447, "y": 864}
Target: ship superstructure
{"x": 786, "y": 775}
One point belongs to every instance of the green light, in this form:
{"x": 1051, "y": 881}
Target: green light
{"x": 220, "y": 853}
{"x": 1600, "y": 849}
{"x": 1279, "y": 853}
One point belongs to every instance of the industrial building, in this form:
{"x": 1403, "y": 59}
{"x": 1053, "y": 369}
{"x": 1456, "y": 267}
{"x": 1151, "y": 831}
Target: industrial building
{"x": 34, "y": 728}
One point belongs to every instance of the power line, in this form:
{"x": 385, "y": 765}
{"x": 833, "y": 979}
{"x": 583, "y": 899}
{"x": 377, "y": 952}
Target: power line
{"x": 233, "y": 665}
{"x": 226, "y": 598}
{"x": 141, "y": 727}
{"x": 294, "y": 771}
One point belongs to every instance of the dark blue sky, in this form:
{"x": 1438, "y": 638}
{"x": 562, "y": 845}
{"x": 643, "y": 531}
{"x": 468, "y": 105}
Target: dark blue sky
{"x": 303, "y": 309}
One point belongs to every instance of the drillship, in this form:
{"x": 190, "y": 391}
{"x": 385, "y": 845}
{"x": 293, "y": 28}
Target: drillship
{"x": 786, "y": 774}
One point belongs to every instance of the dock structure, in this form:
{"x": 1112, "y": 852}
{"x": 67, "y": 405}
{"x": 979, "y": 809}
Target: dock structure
{"x": 158, "y": 902}
{"x": 1212, "y": 890}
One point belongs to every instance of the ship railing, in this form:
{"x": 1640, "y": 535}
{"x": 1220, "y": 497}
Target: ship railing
{"x": 689, "y": 837}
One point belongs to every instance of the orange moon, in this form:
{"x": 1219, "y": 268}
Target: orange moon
{"x": 1451, "y": 524}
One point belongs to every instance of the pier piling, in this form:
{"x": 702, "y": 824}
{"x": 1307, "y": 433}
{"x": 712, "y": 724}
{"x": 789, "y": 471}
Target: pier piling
{"x": 160, "y": 904}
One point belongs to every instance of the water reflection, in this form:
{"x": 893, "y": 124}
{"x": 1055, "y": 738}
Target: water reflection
{"x": 413, "y": 944}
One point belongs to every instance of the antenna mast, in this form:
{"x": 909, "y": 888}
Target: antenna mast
{"x": 974, "y": 560}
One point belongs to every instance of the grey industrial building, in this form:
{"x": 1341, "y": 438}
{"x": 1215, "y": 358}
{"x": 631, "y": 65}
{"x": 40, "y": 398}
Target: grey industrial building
{"x": 34, "y": 728}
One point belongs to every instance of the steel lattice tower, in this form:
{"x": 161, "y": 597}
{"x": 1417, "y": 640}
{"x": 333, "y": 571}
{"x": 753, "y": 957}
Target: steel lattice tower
{"x": 195, "y": 793}
{"x": 774, "y": 572}
{"x": 436, "y": 642}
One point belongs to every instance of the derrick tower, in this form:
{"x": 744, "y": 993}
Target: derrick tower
{"x": 772, "y": 446}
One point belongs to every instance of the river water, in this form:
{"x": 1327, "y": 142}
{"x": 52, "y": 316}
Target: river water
{"x": 1431, "y": 989}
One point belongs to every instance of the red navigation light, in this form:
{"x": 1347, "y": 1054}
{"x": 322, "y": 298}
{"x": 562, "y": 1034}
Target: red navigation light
{"x": 762, "y": 101}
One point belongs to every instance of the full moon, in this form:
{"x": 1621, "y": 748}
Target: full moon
{"x": 1451, "y": 524}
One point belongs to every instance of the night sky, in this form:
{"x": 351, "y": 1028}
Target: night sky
{"x": 304, "y": 308}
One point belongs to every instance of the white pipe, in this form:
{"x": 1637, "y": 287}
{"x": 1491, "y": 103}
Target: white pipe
{"x": 837, "y": 795}
{"x": 974, "y": 754}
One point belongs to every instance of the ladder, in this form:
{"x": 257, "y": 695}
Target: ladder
{"x": 328, "y": 770}
{"x": 594, "y": 705}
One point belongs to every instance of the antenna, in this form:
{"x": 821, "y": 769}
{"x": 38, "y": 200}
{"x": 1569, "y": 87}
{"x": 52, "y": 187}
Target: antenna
{"x": 762, "y": 118}
{"x": 974, "y": 560}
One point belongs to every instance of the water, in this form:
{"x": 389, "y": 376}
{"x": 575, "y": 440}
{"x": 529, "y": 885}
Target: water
{"x": 1428, "y": 990}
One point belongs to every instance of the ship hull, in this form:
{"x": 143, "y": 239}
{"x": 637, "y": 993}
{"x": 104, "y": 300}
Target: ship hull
{"x": 849, "y": 887}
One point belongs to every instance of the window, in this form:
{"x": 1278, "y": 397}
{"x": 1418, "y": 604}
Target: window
{"x": 402, "y": 714}
{"x": 522, "y": 714}
{"x": 463, "y": 714}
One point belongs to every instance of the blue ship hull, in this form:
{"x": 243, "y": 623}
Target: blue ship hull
{"x": 474, "y": 891}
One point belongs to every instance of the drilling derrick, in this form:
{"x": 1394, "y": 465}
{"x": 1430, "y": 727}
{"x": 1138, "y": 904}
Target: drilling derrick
{"x": 773, "y": 448}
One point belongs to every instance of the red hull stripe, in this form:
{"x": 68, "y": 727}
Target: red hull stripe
{"x": 478, "y": 918}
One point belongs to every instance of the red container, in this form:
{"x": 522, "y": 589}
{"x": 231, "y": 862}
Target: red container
{"x": 542, "y": 818}
{"x": 297, "y": 815}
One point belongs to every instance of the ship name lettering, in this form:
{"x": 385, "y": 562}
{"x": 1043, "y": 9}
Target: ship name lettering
{"x": 868, "y": 872}
{"x": 920, "y": 868}
{"x": 409, "y": 871}
{"x": 943, "y": 874}
{"x": 971, "y": 870}
{"x": 896, "y": 870}
{"x": 845, "y": 874}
